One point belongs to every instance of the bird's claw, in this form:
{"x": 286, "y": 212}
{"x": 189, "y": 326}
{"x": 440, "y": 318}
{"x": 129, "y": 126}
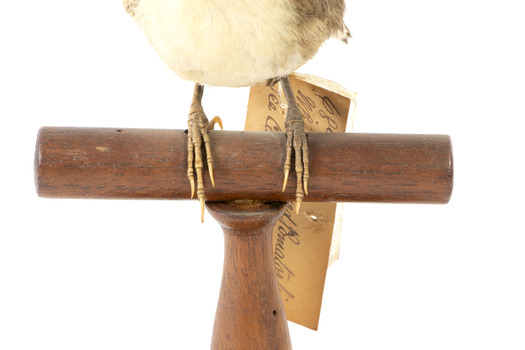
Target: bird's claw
{"x": 198, "y": 127}
{"x": 296, "y": 141}
{"x": 215, "y": 120}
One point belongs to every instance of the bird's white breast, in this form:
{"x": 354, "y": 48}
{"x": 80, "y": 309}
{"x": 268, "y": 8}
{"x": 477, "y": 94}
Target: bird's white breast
{"x": 223, "y": 42}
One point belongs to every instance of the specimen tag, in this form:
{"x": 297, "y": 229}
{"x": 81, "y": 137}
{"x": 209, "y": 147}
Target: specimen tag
{"x": 307, "y": 243}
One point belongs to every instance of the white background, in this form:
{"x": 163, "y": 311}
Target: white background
{"x": 90, "y": 274}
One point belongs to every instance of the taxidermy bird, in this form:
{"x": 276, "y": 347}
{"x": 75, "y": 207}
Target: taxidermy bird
{"x": 239, "y": 43}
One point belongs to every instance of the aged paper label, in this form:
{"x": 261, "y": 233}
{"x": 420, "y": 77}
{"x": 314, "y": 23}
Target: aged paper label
{"x": 305, "y": 244}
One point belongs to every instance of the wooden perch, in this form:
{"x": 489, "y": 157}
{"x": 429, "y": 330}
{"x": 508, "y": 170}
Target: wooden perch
{"x": 151, "y": 164}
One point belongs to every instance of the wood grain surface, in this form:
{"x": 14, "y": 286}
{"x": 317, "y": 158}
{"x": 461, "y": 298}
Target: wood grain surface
{"x": 250, "y": 314}
{"x": 151, "y": 164}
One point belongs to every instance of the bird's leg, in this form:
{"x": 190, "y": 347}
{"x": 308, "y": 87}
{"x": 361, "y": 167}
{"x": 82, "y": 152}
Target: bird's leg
{"x": 198, "y": 127}
{"x": 296, "y": 140}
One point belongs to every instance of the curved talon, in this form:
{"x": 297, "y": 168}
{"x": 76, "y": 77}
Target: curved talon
{"x": 297, "y": 206}
{"x": 201, "y": 200}
{"x": 210, "y": 170}
{"x": 305, "y": 186}
{"x": 213, "y": 121}
{"x": 286, "y": 173}
{"x": 192, "y": 185}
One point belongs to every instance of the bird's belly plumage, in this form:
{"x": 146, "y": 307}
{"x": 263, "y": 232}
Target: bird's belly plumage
{"x": 223, "y": 43}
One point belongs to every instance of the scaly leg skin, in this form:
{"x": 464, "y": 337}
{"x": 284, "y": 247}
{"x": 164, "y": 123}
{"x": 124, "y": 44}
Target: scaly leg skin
{"x": 198, "y": 127}
{"x": 296, "y": 140}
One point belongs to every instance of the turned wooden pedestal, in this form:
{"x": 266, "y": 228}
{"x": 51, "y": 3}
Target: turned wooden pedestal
{"x": 250, "y": 314}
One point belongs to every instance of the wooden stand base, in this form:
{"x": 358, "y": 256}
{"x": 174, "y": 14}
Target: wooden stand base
{"x": 250, "y": 314}
{"x": 144, "y": 163}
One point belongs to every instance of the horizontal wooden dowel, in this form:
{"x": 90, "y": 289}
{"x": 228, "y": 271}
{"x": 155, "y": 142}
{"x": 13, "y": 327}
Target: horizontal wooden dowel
{"x": 151, "y": 164}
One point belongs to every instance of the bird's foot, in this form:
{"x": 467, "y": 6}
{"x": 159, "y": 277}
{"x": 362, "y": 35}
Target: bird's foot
{"x": 198, "y": 127}
{"x": 296, "y": 141}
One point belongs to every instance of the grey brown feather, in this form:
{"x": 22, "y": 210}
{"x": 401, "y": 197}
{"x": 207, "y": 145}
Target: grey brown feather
{"x": 318, "y": 21}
